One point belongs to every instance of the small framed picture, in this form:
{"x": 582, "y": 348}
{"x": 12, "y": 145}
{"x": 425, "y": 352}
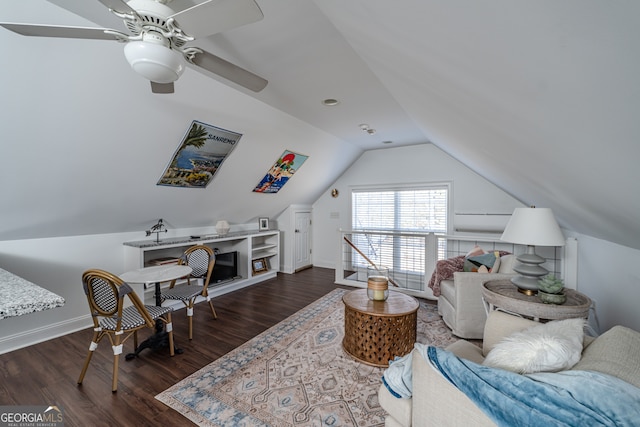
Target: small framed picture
{"x": 263, "y": 224}
{"x": 259, "y": 265}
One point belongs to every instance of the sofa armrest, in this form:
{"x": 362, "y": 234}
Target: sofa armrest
{"x": 468, "y": 286}
{"x": 466, "y": 350}
{"x": 466, "y": 279}
{"x": 470, "y": 312}
{"x": 436, "y": 402}
{"x": 398, "y": 410}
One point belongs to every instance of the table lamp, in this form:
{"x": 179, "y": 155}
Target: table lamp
{"x": 532, "y": 227}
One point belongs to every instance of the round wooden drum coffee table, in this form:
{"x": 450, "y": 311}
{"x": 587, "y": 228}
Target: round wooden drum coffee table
{"x": 375, "y": 332}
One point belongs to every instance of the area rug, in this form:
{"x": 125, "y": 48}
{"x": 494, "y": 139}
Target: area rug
{"x": 294, "y": 374}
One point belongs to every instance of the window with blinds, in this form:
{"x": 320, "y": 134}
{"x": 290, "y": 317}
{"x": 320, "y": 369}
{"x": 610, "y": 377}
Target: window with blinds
{"x": 386, "y": 213}
{"x": 420, "y": 209}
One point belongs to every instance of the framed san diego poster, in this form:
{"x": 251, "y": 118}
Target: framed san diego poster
{"x": 199, "y": 156}
{"x": 280, "y": 173}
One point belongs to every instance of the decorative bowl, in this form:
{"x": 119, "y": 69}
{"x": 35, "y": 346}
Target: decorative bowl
{"x": 222, "y": 228}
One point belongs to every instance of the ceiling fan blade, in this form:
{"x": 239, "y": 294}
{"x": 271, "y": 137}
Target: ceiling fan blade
{"x": 118, "y": 6}
{"x": 216, "y": 16}
{"x": 60, "y": 31}
{"x": 162, "y": 87}
{"x": 229, "y": 71}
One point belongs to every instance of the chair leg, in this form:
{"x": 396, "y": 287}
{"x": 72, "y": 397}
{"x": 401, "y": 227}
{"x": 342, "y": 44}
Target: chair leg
{"x": 169, "y": 329}
{"x": 92, "y": 348}
{"x": 190, "y": 317}
{"x": 213, "y": 310}
{"x": 117, "y": 350}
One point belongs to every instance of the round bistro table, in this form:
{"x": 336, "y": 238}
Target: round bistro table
{"x": 375, "y": 332}
{"x": 504, "y": 295}
{"x": 155, "y": 274}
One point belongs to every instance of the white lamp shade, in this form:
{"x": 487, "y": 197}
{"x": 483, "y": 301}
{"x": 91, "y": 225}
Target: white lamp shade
{"x": 533, "y": 226}
{"x": 155, "y": 62}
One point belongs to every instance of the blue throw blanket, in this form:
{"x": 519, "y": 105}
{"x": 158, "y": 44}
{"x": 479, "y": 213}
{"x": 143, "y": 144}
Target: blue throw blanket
{"x": 397, "y": 378}
{"x": 569, "y": 398}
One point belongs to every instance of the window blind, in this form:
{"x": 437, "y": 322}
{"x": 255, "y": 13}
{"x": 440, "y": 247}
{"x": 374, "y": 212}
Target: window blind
{"x": 417, "y": 210}
{"x": 422, "y": 209}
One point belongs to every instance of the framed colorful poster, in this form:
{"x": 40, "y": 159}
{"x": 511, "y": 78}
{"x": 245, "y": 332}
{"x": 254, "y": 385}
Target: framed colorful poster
{"x": 199, "y": 156}
{"x": 280, "y": 173}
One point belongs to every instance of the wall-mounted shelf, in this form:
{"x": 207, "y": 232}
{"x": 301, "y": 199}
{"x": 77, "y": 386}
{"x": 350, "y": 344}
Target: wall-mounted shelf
{"x": 249, "y": 245}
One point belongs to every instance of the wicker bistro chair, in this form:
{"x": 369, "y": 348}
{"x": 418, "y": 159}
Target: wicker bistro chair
{"x": 201, "y": 259}
{"x": 106, "y": 293}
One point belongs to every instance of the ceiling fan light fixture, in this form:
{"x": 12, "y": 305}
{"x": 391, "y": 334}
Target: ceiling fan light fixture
{"x": 155, "y": 62}
{"x": 157, "y": 34}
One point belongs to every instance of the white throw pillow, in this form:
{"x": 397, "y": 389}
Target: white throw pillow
{"x": 548, "y": 347}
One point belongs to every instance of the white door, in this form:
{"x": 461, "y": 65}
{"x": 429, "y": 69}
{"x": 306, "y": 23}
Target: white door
{"x": 302, "y": 245}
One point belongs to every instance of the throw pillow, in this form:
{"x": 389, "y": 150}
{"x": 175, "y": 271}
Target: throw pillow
{"x": 496, "y": 264}
{"x": 473, "y": 263}
{"x": 548, "y": 347}
{"x": 614, "y": 353}
{"x": 477, "y": 250}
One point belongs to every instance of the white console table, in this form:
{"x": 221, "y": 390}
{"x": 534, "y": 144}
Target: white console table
{"x": 250, "y": 245}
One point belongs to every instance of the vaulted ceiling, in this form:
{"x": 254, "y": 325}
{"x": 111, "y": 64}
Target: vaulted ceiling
{"x": 540, "y": 98}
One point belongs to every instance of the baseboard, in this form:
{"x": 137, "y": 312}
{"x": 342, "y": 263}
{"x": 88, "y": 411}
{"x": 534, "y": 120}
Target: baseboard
{"x": 324, "y": 263}
{"x": 45, "y": 333}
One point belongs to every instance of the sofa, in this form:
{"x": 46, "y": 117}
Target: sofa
{"x": 460, "y": 301}
{"x": 437, "y": 402}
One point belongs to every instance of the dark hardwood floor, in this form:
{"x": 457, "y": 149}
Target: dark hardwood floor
{"x": 47, "y": 373}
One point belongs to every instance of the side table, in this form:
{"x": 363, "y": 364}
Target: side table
{"x": 375, "y": 332}
{"x": 502, "y": 294}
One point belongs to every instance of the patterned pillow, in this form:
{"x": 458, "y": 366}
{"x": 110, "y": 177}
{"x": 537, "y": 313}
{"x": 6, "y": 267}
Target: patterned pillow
{"x": 475, "y": 251}
{"x": 471, "y": 264}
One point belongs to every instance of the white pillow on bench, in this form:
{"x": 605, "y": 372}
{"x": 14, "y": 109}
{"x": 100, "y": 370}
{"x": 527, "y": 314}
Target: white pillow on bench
{"x": 548, "y": 347}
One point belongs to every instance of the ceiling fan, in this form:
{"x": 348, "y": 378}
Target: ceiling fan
{"x": 156, "y": 47}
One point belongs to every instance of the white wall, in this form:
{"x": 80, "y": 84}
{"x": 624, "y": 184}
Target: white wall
{"x": 608, "y": 273}
{"x": 405, "y": 165}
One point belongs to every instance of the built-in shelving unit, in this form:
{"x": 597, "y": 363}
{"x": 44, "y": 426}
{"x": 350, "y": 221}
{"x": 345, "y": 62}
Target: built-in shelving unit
{"x": 250, "y": 245}
{"x": 265, "y": 246}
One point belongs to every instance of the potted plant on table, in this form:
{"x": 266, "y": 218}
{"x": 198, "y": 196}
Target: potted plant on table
{"x": 551, "y": 290}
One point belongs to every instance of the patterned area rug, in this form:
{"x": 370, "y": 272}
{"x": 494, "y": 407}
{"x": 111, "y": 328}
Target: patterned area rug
{"x": 294, "y": 374}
